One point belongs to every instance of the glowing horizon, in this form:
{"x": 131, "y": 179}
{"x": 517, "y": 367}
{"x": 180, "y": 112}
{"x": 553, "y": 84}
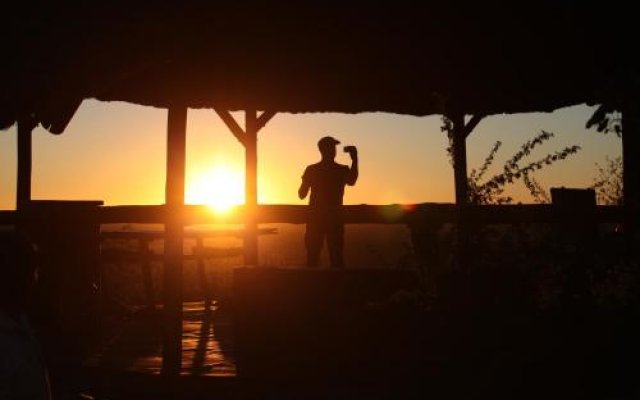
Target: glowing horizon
{"x": 220, "y": 188}
{"x": 402, "y": 158}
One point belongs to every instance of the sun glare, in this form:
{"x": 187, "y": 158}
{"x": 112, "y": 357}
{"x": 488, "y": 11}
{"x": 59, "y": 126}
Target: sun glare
{"x": 220, "y": 188}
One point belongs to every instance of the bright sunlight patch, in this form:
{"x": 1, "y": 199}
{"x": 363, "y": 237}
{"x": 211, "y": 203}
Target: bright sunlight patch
{"x": 220, "y": 188}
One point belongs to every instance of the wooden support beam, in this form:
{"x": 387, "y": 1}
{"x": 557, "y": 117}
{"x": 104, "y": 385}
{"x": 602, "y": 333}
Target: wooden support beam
{"x": 199, "y": 254}
{"x": 471, "y": 125}
{"x": 459, "y": 144}
{"x": 231, "y": 123}
{"x": 23, "y": 184}
{"x": 147, "y": 276}
{"x": 176, "y": 155}
{"x": 251, "y": 188}
{"x": 172, "y": 275}
{"x": 249, "y": 139}
{"x": 459, "y": 157}
{"x": 264, "y": 118}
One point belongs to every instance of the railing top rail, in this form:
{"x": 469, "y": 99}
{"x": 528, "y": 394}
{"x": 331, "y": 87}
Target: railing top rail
{"x": 377, "y": 214}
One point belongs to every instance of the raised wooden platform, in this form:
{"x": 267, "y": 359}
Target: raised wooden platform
{"x": 305, "y": 323}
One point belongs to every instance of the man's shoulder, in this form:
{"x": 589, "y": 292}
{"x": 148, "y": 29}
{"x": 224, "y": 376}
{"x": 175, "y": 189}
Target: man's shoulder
{"x": 333, "y": 165}
{"x": 326, "y": 167}
{"x": 337, "y": 169}
{"x": 312, "y": 167}
{"x": 342, "y": 167}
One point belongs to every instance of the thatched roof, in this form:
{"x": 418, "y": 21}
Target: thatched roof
{"x": 392, "y": 57}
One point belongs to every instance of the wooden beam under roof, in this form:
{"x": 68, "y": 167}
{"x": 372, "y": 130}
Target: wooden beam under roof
{"x": 232, "y": 124}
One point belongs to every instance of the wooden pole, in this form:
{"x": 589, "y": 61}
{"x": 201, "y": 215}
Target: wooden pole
{"x": 249, "y": 139}
{"x": 23, "y": 184}
{"x": 461, "y": 188}
{"x": 147, "y": 275}
{"x": 460, "y": 159}
{"x": 461, "y": 132}
{"x": 199, "y": 253}
{"x": 251, "y": 188}
{"x": 173, "y": 243}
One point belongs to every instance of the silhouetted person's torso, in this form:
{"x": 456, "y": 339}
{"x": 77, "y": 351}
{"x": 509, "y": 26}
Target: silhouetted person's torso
{"x": 327, "y": 181}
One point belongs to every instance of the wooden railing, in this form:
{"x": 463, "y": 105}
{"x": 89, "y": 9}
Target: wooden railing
{"x": 356, "y": 214}
{"x": 416, "y": 215}
{"x": 379, "y": 214}
{"x": 143, "y": 255}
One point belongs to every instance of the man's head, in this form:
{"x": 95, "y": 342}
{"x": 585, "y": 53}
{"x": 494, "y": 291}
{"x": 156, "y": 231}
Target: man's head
{"x": 327, "y": 147}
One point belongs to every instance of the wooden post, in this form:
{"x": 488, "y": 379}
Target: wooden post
{"x": 249, "y": 139}
{"x": 459, "y": 144}
{"x": 459, "y": 158}
{"x": 147, "y": 275}
{"x": 251, "y": 188}
{"x": 23, "y": 189}
{"x": 173, "y": 241}
{"x": 460, "y": 133}
{"x": 631, "y": 169}
{"x": 200, "y": 256}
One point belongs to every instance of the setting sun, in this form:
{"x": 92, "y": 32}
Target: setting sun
{"x": 220, "y": 188}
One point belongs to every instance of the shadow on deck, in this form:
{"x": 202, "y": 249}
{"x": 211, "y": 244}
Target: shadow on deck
{"x": 136, "y": 345}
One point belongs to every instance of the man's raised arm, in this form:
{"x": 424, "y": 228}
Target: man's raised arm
{"x": 352, "y": 176}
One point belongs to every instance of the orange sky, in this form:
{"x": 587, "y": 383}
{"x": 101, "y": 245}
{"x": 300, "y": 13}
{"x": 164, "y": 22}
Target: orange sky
{"x": 116, "y": 152}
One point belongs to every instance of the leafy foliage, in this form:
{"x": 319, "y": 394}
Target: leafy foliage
{"x": 537, "y": 191}
{"x": 608, "y": 183}
{"x": 606, "y": 119}
{"x": 492, "y": 190}
{"x": 447, "y": 127}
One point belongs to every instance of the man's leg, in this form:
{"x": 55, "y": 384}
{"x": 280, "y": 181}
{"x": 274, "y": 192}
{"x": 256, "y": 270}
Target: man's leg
{"x": 313, "y": 239}
{"x": 335, "y": 242}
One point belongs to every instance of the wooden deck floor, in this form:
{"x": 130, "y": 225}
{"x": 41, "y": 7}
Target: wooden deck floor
{"x": 134, "y": 344}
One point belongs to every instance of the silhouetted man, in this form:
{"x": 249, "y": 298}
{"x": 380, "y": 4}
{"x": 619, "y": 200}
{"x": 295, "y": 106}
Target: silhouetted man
{"x": 327, "y": 180}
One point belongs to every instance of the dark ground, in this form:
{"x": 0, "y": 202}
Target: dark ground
{"x": 534, "y": 317}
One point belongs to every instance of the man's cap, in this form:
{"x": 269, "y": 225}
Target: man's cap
{"x": 327, "y": 141}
